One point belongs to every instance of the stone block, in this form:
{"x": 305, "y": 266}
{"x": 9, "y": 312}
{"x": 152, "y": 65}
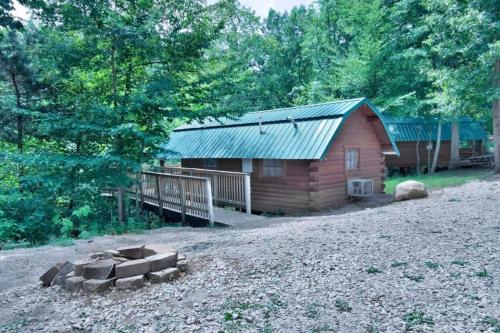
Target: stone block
{"x": 132, "y": 268}
{"x": 161, "y": 261}
{"x": 120, "y": 260}
{"x": 152, "y": 249}
{"x": 101, "y": 270}
{"x": 80, "y": 264}
{"x": 165, "y": 275}
{"x": 182, "y": 265}
{"x": 94, "y": 285}
{"x": 101, "y": 255}
{"x": 132, "y": 252}
{"x": 114, "y": 253}
{"x": 50, "y": 274}
{"x": 60, "y": 277}
{"x": 130, "y": 283}
{"x": 74, "y": 283}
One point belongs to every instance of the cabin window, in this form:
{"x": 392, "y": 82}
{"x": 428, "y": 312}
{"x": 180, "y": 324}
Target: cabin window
{"x": 352, "y": 159}
{"x": 272, "y": 168}
{"x": 210, "y": 163}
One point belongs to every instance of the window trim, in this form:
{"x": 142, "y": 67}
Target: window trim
{"x": 283, "y": 164}
{"x": 358, "y": 150}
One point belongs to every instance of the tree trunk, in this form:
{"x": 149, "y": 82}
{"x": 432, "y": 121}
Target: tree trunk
{"x": 20, "y": 120}
{"x": 121, "y": 204}
{"x": 438, "y": 146}
{"x": 120, "y": 194}
{"x": 496, "y": 120}
{"x": 418, "y": 156}
{"x": 455, "y": 143}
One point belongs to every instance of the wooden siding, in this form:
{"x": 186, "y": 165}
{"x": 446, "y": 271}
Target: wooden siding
{"x": 314, "y": 184}
{"x": 287, "y": 193}
{"x": 329, "y": 176}
{"x": 408, "y": 155}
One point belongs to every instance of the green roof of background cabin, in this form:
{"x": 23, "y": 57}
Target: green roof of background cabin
{"x": 316, "y": 127}
{"x": 414, "y": 129}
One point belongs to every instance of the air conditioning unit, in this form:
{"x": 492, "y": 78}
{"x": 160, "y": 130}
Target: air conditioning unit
{"x": 359, "y": 187}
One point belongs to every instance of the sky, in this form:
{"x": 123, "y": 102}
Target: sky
{"x": 261, "y": 7}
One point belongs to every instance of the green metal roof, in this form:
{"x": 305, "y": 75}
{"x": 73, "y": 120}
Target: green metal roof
{"x": 309, "y": 112}
{"x": 414, "y": 129}
{"x": 316, "y": 128}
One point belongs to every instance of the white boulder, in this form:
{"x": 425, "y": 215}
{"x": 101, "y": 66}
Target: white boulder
{"x": 409, "y": 190}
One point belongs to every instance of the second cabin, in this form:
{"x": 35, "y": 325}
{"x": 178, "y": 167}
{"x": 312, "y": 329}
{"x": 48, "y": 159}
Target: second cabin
{"x": 300, "y": 158}
{"x": 416, "y": 139}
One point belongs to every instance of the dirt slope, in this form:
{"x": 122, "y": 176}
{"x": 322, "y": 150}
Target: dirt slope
{"x": 427, "y": 265}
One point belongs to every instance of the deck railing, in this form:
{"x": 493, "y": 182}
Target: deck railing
{"x": 189, "y": 195}
{"x": 228, "y": 188}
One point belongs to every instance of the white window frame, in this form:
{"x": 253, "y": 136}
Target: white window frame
{"x": 352, "y": 159}
{"x": 273, "y": 168}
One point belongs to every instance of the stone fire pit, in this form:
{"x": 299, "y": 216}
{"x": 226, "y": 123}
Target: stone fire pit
{"x": 125, "y": 268}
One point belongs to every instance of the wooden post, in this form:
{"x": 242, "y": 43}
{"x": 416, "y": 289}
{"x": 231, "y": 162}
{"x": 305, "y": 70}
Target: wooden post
{"x": 158, "y": 193}
{"x": 141, "y": 192}
{"x": 121, "y": 206}
{"x": 248, "y": 197}
{"x": 216, "y": 188}
{"x": 210, "y": 202}
{"x": 137, "y": 184}
{"x": 182, "y": 194}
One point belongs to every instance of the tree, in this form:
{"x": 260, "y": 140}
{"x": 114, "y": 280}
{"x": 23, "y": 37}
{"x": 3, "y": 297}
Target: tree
{"x": 496, "y": 119}
{"x": 116, "y": 74}
{"x": 438, "y": 147}
{"x": 16, "y": 69}
{"x": 455, "y": 143}
{"x": 6, "y": 18}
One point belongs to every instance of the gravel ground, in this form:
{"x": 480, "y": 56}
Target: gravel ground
{"x": 429, "y": 265}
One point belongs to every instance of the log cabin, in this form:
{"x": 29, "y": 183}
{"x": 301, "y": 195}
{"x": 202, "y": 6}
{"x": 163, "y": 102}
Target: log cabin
{"x": 416, "y": 140}
{"x": 300, "y": 158}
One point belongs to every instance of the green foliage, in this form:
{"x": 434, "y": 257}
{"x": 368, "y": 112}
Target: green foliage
{"x": 417, "y": 318}
{"x": 373, "y": 270}
{"x": 483, "y": 273}
{"x": 342, "y": 305}
{"x": 459, "y": 262}
{"x": 493, "y": 323}
{"x": 397, "y": 264}
{"x": 432, "y": 265}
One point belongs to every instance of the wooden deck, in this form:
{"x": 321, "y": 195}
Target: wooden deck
{"x": 187, "y": 195}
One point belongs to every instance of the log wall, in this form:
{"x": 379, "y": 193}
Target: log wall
{"x": 288, "y": 193}
{"x": 329, "y": 176}
{"x": 408, "y": 155}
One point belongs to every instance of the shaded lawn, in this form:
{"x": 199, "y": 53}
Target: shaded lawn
{"x": 439, "y": 179}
